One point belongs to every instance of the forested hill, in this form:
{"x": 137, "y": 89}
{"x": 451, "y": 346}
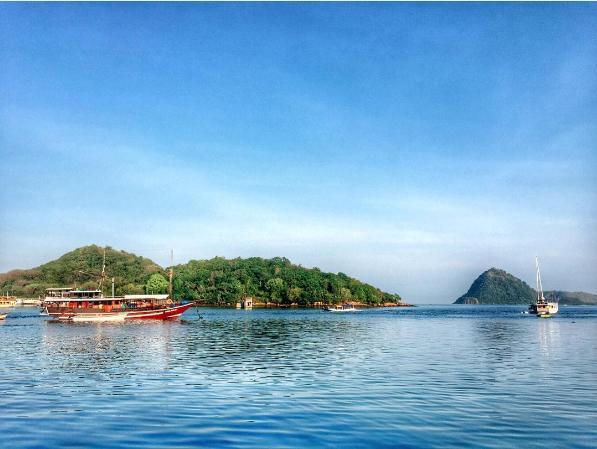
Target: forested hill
{"x": 571, "y": 298}
{"x": 82, "y": 268}
{"x": 496, "y": 286}
{"x": 217, "y": 281}
{"x": 222, "y": 281}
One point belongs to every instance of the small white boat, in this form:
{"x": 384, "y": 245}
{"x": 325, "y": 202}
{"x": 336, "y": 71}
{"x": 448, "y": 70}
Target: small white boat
{"x": 341, "y": 308}
{"x": 541, "y": 307}
{"x": 3, "y": 316}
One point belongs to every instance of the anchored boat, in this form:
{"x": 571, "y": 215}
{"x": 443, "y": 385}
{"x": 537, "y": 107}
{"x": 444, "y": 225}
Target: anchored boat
{"x": 341, "y": 308}
{"x": 8, "y": 301}
{"x": 542, "y": 308}
{"x": 68, "y": 304}
{"x": 71, "y": 304}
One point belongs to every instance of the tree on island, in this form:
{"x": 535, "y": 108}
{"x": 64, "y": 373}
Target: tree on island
{"x": 216, "y": 281}
{"x": 345, "y": 294}
{"x": 276, "y": 288}
{"x": 156, "y": 284}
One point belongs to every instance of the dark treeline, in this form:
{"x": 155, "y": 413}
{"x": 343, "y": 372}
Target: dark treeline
{"x": 217, "y": 281}
{"x": 496, "y": 286}
{"x": 221, "y": 281}
{"x": 82, "y": 268}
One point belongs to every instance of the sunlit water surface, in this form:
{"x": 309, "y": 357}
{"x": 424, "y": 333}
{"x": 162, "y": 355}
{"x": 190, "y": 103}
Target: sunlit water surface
{"x": 432, "y": 376}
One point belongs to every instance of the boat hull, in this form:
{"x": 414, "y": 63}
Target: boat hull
{"x": 165, "y": 313}
{"x": 548, "y": 308}
{"x": 340, "y": 310}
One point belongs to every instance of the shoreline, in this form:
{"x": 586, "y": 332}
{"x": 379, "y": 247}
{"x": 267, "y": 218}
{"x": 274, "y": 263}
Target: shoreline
{"x": 261, "y": 305}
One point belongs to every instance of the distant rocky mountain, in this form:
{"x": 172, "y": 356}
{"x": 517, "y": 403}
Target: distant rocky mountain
{"x": 496, "y": 286}
{"x": 571, "y": 298}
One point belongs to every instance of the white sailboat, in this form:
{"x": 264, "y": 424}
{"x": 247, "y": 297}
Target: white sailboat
{"x": 542, "y": 308}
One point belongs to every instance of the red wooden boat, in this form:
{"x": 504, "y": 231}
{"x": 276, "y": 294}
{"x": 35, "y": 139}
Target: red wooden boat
{"x": 69, "y": 304}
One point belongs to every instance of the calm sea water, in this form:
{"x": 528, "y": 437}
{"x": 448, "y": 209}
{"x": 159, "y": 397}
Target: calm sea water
{"x": 453, "y": 376}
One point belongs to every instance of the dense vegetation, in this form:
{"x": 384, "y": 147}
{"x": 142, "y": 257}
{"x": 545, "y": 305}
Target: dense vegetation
{"x": 277, "y": 281}
{"x": 82, "y": 268}
{"x": 218, "y": 281}
{"x": 571, "y": 298}
{"x": 156, "y": 284}
{"x": 496, "y": 286}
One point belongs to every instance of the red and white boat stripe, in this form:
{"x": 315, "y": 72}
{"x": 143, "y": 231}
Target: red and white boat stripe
{"x": 166, "y": 313}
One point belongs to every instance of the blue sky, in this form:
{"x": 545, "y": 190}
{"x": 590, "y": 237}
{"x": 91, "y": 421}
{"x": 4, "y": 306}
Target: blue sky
{"x": 409, "y": 145}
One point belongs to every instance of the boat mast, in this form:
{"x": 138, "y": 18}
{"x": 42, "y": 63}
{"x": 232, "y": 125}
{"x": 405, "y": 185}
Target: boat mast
{"x": 101, "y": 282}
{"x": 540, "y": 297}
{"x": 171, "y": 274}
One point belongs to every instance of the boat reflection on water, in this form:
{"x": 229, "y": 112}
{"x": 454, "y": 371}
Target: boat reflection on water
{"x": 549, "y": 337}
{"x": 291, "y": 378}
{"x": 107, "y": 349}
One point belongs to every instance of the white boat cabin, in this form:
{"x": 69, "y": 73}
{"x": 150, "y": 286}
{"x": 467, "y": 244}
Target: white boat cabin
{"x": 70, "y": 298}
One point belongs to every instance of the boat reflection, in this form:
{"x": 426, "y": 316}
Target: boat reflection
{"x": 106, "y": 349}
{"x": 548, "y": 336}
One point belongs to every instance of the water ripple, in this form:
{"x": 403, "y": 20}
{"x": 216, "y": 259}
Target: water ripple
{"x": 452, "y": 376}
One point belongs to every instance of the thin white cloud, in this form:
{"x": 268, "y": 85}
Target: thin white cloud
{"x": 417, "y": 242}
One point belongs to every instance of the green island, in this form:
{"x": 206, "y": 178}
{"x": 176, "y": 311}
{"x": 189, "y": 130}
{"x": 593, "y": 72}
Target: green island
{"x": 216, "y": 282}
{"x": 496, "y": 286}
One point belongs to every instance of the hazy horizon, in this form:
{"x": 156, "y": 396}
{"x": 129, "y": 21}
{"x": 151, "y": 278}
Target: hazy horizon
{"x": 162, "y": 256}
{"x": 411, "y": 146}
